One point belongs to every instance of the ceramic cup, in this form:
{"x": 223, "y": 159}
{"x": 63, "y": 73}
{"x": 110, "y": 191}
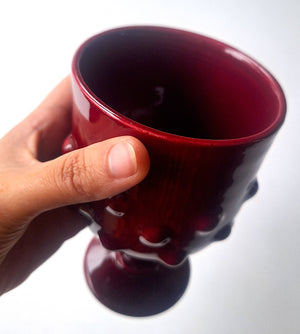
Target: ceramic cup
{"x": 207, "y": 114}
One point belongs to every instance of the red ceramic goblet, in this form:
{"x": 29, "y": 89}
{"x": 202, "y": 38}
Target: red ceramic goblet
{"x": 207, "y": 114}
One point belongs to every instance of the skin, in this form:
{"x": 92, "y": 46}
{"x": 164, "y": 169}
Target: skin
{"x": 39, "y": 187}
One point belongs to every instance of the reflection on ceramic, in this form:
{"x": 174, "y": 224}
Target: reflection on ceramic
{"x": 207, "y": 114}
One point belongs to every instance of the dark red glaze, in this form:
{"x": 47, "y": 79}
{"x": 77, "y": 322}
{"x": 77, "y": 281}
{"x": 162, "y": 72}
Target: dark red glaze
{"x": 130, "y": 286}
{"x": 207, "y": 114}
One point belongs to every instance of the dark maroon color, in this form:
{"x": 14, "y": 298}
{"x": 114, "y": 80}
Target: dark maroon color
{"x": 207, "y": 114}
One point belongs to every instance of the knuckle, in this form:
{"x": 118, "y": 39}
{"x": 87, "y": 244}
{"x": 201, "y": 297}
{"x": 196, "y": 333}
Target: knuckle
{"x": 74, "y": 174}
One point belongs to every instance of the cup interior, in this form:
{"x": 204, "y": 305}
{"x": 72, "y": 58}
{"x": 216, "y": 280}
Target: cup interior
{"x": 181, "y": 83}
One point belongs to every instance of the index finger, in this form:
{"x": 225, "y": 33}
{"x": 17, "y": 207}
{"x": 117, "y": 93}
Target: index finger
{"x": 41, "y": 133}
{"x": 51, "y": 121}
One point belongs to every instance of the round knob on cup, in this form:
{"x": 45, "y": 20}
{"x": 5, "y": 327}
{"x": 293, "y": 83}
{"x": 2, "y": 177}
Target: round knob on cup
{"x": 69, "y": 144}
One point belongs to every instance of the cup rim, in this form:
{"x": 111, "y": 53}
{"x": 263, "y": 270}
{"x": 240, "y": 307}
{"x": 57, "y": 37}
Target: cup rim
{"x": 144, "y": 129}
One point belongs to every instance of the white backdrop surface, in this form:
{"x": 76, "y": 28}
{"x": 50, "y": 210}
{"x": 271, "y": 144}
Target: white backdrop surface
{"x": 249, "y": 283}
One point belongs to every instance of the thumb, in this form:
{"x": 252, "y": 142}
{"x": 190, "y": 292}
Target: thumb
{"x": 89, "y": 174}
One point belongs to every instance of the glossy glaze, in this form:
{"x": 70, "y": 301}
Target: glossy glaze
{"x": 207, "y": 114}
{"x": 185, "y": 84}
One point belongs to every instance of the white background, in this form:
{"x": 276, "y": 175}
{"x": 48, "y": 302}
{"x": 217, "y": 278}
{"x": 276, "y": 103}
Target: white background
{"x": 249, "y": 283}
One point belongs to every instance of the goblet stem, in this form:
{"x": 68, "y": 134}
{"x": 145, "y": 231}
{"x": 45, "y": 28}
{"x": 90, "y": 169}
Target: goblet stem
{"x": 130, "y": 286}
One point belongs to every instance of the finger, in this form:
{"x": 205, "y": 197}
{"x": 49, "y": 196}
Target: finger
{"x": 53, "y": 121}
{"x": 41, "y": 133}
{"x": 89, "y": 174}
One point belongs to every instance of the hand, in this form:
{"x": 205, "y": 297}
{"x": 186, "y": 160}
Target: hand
{"x": 38, "y": 186}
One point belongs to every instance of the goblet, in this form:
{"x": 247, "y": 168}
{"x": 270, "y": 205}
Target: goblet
{"x": 207, "y": 113}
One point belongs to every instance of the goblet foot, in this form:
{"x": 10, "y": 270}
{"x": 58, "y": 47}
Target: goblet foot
{"x": 131, "y": 286}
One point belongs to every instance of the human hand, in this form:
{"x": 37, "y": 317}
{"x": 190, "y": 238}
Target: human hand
{"x": 38, "y": 186}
